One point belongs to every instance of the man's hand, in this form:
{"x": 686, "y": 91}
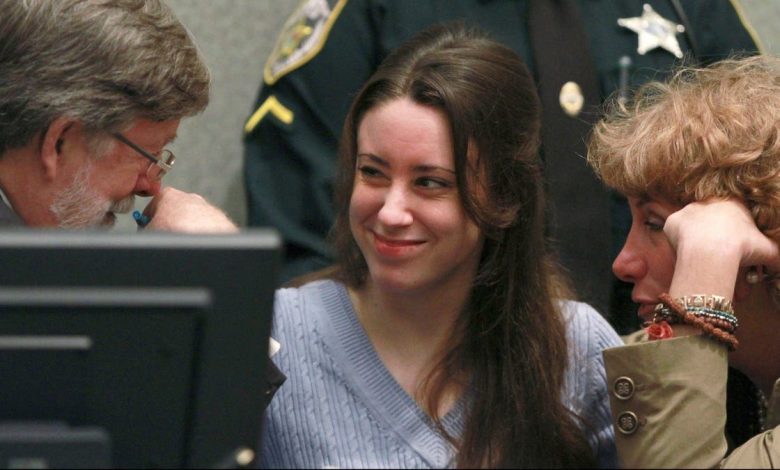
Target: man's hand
{"x": 177, "y": 211}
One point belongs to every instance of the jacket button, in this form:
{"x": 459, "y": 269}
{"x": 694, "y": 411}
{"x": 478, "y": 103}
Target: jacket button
{"x": 627, "y": 422}
{"x": 623, "y": 388}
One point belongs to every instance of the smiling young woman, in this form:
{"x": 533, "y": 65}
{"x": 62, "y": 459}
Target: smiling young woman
{"x": 443, "y": 337}
{"x": 405, "y": 211}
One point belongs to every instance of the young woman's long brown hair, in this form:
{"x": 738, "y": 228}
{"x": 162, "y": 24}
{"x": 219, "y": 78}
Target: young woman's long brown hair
{"x": 510, "y": 340}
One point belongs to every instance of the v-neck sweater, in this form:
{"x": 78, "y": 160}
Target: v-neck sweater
{"x": 341, "y": 407}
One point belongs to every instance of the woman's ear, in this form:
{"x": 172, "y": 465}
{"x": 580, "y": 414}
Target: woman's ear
{"x": 52, "y": 145}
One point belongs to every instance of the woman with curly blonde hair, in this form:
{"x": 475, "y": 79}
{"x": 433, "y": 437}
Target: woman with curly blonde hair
{"x": 699, "y": 159}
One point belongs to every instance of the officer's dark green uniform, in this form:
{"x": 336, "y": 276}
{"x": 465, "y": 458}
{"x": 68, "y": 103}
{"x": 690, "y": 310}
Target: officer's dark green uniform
{"x": 329, "y": 48}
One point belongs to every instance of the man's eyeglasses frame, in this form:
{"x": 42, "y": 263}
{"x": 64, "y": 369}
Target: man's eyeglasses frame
{"x": 158, "y": 166}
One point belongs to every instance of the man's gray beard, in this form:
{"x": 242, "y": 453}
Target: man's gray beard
{"x": 79, "y": 206}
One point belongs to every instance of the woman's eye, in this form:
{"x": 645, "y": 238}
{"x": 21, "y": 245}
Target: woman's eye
{"x": 654, "y": 226}
{"x": 432, "y": 183}
{"x": 368, "y": 171}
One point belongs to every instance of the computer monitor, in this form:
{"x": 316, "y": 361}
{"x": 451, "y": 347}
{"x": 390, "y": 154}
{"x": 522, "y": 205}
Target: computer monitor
{"x": 133, "y": 350}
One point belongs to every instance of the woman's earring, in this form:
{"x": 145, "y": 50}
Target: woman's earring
{"x": 753, "y": 276}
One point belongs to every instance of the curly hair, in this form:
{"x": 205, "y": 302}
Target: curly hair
{"x": 707, "y": 132}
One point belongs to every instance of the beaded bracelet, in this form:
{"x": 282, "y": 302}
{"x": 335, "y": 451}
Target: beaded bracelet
{"x": 678, "y": 311}
{"x": 720, "y": 319}
{"x": 714, "y": 302}
{"x": 663, "y": 313}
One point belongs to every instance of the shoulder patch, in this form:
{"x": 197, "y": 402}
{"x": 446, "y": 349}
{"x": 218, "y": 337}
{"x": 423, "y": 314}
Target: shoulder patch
{"x": 302, "y": 37}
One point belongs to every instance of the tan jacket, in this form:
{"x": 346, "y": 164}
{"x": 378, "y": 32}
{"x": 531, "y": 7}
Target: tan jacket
{"x": 668, "y": 401}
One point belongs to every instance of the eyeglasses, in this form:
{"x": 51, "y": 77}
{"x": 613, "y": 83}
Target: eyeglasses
{"x": 158, "y": 166}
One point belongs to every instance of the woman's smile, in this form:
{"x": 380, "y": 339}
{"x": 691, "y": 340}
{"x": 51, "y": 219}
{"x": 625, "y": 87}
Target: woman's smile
{"x": 395, "y": 248}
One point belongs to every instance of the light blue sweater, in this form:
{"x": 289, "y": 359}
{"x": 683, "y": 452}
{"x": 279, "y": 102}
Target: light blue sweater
{"x": 340, "y": 407}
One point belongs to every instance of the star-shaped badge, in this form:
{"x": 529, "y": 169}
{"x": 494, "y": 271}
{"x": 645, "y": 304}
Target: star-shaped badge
{"x": 654, "y": 31}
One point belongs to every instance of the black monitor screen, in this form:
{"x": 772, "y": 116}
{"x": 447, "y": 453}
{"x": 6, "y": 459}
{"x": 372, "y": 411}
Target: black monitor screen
{"x": 133, "y": 350}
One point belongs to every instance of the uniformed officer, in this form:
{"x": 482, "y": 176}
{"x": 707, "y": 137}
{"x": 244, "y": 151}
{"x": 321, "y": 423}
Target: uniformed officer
{"x": 581, "y": 51}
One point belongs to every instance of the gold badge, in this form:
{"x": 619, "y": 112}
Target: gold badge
{"x": 302, "y": 37}
{"x": 571, "y": 99}
{"x": 654, "y": 31}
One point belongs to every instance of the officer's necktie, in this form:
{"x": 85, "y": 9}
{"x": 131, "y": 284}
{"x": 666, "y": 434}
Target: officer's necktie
{"x": 580, "y": 205}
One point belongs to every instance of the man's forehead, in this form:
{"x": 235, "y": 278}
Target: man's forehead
{"x": 161, "y": 132}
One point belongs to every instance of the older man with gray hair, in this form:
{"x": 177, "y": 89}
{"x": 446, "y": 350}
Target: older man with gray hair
{"x": 91, "y": 93}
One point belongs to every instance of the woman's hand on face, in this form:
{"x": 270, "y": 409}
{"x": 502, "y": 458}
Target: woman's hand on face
{"x": 712, "y": 240}
{"x": 723, "y": 226}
